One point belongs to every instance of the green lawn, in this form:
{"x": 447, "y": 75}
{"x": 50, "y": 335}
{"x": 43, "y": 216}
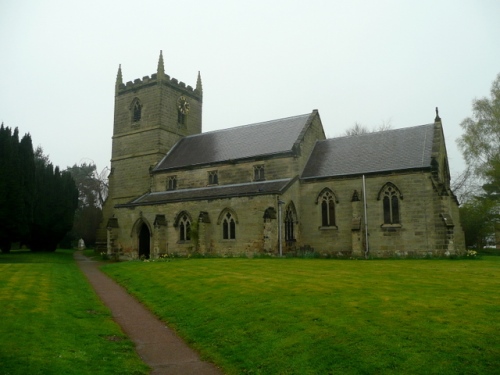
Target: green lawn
{"x": 51, "y": 321}
{"x": 299, "y": 316}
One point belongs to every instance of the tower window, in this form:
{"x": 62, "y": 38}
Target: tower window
{"x": 172, "y": 183}
{"x": 136, "y": 110}
{"x": 181, "y": 118}
{"x": 213, "y": 178}
{"x": 258, "y": 173}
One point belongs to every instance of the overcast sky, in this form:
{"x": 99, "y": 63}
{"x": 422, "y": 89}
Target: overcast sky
{"x": 370, "y": 62}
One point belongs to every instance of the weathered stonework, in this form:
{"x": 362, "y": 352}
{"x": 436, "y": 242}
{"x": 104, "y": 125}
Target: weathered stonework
{"x": 147, "y": 214}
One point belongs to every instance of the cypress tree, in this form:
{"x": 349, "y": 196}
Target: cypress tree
{"x": 5, "y": 158}
{"x": 27, "y": 180}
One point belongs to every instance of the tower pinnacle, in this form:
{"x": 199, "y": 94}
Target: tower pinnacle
{"x": 199, "y": 87}
{"x": 161, "y": 67}
{"x": 119, "y": 79}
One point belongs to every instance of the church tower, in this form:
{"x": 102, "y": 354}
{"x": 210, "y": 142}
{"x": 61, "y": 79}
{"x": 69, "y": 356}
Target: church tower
{"x": 151, "y": 115}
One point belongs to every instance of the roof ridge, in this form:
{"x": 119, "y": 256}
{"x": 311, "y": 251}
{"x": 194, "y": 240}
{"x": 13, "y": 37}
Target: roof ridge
{"x": 378, "y": 132}
{"x": 247, "y": 125}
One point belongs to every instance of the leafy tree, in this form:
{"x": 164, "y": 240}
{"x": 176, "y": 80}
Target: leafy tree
{"x": 480, "y": 142}
{"x": 477, "y": 217}
{"x": 480, "y": 146}
{"x": 358, "y": 128}
{"x": 93, "y": 188}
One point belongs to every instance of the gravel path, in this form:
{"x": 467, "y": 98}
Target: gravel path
{"x": 156, "y": 344}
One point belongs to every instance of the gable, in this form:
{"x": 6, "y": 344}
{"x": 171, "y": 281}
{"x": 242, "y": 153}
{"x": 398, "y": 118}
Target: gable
{"x": 390, "y": 150}
{"x": 256, "y": 140}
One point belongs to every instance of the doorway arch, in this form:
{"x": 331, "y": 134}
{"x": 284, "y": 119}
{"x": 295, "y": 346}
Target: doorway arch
{"x": 144, "y": 241}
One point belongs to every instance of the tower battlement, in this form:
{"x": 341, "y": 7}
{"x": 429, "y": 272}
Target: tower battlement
{"x": 158, "y": 78}
{"x": 153, "y": 79}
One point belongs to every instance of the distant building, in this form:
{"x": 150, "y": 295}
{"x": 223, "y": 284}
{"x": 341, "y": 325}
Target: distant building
{"x": 174, "y": 189}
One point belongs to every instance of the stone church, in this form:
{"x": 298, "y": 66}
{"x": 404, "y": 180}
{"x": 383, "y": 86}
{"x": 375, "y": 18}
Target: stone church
{"x": 277, "y": 187}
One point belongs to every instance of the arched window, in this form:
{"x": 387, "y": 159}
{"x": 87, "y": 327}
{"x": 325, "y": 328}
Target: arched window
{"x": 228, "y": 227}
{"x": 327, "y": 209}
{"x": 290, "y": 219}
{"x": 390, "y": 196}
{"x": 184, "y": 228}
{"x": 228, "y": 219}
{"x": 172, "y": 183}
{"x": 136, "y": 108}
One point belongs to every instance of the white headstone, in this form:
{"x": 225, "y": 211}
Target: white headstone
{"x": 81, "y": 244}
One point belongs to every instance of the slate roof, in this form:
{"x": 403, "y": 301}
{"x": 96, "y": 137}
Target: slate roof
{"x": 213, "y": 192}
{"x": 390, "y": 150}
{"x": 254, "y": 140}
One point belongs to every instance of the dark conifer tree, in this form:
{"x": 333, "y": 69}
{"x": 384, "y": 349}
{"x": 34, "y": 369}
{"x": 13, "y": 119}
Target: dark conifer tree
{"x": 37, "y": 202}
{"x": 5, "y": 158}
{"x": 27, "y": 180}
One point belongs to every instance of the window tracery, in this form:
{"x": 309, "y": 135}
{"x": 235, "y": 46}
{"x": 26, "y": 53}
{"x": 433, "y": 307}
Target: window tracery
{"x": 290, "y": 220}
{"x": 136, "y": 110}
{"x": 228, "y": 227}
{"x": 213, "y": 178}
{"x": 258, "y": 173}
{"x": 390, "y": 196}
{"x": 327, "y": 209}
{"x": 172, "y": 183}
{"x": 184, "y": 228}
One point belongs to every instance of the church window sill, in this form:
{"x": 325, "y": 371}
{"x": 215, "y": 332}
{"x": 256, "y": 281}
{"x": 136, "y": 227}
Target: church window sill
{"x": 391, "y": 227}
{"x": 330, "y": 227}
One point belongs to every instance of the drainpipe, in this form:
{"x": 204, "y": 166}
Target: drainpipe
{"x": 367, "y": 247}
{"x": 280, "y": 245}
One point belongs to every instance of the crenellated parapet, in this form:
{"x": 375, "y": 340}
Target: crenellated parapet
{"x": 158, "y": 78}
{"x": 153, "y": 80}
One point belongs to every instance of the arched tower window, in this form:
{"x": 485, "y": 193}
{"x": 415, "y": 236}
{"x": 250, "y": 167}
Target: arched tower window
{"x": 390, "y": 196}
{"x": 136, "y": 108}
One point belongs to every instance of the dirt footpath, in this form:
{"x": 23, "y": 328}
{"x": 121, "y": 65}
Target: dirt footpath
{"x": 156, "y": 344}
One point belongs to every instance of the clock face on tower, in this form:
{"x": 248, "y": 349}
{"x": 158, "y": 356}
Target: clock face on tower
{"x": 183, "y": 105}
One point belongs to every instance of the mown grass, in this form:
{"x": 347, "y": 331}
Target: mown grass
{"x": 51, "y": 321}
{"x": 296, "y": 316}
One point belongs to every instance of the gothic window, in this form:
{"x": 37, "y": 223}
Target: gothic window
{"x": 184, "y": 228}
{"x": 391, "y": 196}
{"x": 290, "y": 224}
{"x": 181, "y": 118}
{"x": 136, "y": 110}
{"x": 228, "y": 227}
{"x": 258, "y": 173}
{"x": 327, "y": 209}
{"x": 213, "y": 178}
{"x": 172, "y": 183}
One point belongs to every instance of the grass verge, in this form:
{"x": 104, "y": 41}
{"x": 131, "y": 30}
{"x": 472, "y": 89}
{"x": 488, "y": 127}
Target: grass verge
{"x": 294, "y": 316}
{"x": 53, "y": 323}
